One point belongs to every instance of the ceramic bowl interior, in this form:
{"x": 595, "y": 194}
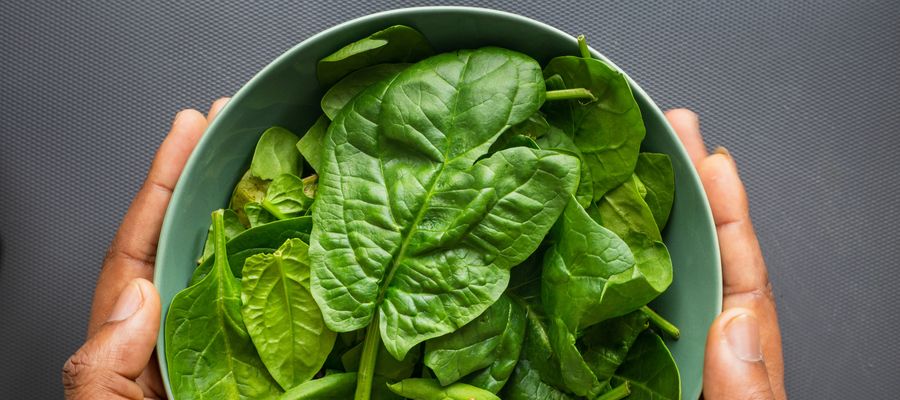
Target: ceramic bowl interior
{"x": 285, "y": 93}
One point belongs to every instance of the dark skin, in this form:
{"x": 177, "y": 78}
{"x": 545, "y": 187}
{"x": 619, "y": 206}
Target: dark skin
{"x": 743, "y": 352}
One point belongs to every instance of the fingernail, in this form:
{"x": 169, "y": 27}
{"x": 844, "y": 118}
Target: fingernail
{"x": 723, "y": 151}
{"x": 128, "y": 303}
{"x": 742, "y": 333}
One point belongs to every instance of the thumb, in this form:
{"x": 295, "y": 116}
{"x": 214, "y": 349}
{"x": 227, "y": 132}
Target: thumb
{"x": 107, "y": 365}
{"x": 734, "y": 366}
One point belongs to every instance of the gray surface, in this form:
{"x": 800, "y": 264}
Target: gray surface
{"x": 804, "y": 94}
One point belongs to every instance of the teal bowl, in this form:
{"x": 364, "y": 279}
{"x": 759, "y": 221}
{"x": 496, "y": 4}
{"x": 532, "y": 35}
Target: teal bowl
{"x": 285, "y": 93}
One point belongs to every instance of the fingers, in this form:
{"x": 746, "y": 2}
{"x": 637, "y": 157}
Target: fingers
{"x": 133, "y": 250}
{"x": 110, "y": 361}
{"x": 687, "y": 126}
{"x": 216, "y": 107}
{"x": 745, "y": 280}
{"x": 734, "y": 366}
{"x": 743, "y": 269}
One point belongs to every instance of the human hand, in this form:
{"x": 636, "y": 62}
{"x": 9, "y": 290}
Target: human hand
{"x": 743, "y": 349}
{"x": 117, "y": 360}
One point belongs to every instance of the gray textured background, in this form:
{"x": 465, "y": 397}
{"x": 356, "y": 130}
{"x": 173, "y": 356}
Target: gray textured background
{"x": 804, "y": 94}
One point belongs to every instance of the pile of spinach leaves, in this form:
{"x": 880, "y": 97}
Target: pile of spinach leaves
{"x": 461, "y": 225}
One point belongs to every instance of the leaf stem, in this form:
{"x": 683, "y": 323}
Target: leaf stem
{"x": 620, "y": 392}
{"x": 368, "y": 360}
{"x": 268, "y": 206}
{"x": 583, "y": 47}
{"x": 219, "y": 252}
{"x": 570, "y": 94}
{"x": 661, "y": 323}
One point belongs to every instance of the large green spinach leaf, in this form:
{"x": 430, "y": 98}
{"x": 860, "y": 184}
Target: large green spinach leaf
{"x": 658, "y": 177}
{"x": 408, "y": 228}
{"x": 262, "y": 239}
{"x": 624, "y": 212}
{"x": 395, "y": 44}
{"x": 346, "y": 89}
{"x": 650, "y": 370}
{"x": 609, "y": 130}
{"x": 208, "y": 350}
{"x": 281, "y": 316}
{"x": 490, "y": 343}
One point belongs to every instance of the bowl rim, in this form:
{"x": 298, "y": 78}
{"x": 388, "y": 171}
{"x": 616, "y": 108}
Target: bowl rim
{"x": 254, "y": 81}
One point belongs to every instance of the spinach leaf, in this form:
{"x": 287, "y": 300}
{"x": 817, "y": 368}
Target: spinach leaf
{"x": 577, "y": 267}
{"x": 281, "y": 316}
{"x": 536, "y": 349}
{"x": 288, "y": 196}
{"x": 233, "y": 227}
{"x": 656, "y": 173}
{"x": 490, "y": 343}
{"x": 262, "y": 239}
{"x": 583, "y": 257}
{"x": 605, "y": 345}
{"x": 346, "y": 89}
{"x": 609, "y": 130}
{"x": 650, "y": 370}
{"x": 624, "y": 212}
{"x": 408, "y": 229}
{"x": 310, "y": 145}
{"x": 275, "y": 154}
{"x": 395, "y": 44}
{"x": 526, "y": 384}
{"x": 249, "y": 189}
{"x": 257, "y": 215}
{"x": 431, "y": 389}
{"x": 556, "y": 139}
{"x": 328, "y": 387}
{"x": 208, "y": 349}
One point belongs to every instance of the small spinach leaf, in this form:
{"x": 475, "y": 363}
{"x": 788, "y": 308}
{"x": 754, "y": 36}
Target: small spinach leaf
{"x": 650, "y": 370}
{"x": 609, "y": 130}
{"x": 208, "y": 349}
{"x": 275, "y": 154}
{"x": 310, "y": 145}
{"x": 656, "y": 173}
{"x": 288, "y": 196}
{"x": 395, "y": 44}
{"x": 526, "y": 384}
{"x": 262, "y": 239}
{"x": 281, "y": 316}
{"x": 624, "y": 212}
{"x": 556, "y": 139}
{"x": 346, "y": 89}
{"x": 604, "y": 346}
{"x": 431, "y": 389}
{"x": 490, "y": 343}
{"x": 249, "y": 189}
{"x": 257, "y": 215}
